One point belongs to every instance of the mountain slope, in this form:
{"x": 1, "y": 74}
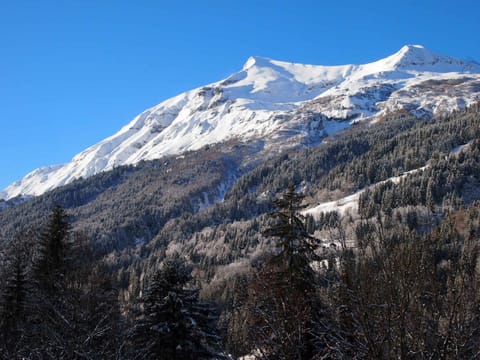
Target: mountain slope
{"x": 282, "y": 104}
{"x": 166, "y": 202}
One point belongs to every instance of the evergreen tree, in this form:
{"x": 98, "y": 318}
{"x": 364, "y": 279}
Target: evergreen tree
{"x": 51, "y": 259}
{"x": 295, "y": 246}
{"x": 282, "y": 306}
{"x": 173, "y": 324}
{"x": 73, "y": 310}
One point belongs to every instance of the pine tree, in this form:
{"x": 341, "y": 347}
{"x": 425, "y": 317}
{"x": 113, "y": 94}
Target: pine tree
{"x": 173, "y": 324}
{"x": 295, "y": 246}
{"x": 52, "y": 249}
{"x": 50, "y": 323}
{"x": 283, "y": 306}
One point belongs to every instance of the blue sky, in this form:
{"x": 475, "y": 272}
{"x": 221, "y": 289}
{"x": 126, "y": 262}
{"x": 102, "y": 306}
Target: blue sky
{"x": 73, "y": 72}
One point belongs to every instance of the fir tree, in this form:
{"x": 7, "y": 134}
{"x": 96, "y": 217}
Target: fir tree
{"x": 295, "y": 246}
{"x": 53, "y": 245}
{"x": 173, "y": 324}
{"x": 282, "y": 305}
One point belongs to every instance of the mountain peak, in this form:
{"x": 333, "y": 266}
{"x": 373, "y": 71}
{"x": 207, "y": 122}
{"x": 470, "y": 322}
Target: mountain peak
{"x": 419, "y": 58}
{"x": 258, "y": 61}
{"x": 414, "y": 48}
{"x": 416, "y": 55}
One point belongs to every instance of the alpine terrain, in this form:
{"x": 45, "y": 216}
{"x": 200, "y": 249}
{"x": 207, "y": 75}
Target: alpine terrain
{"x": 280, "y": 104}
{"x": 290, "y": 211}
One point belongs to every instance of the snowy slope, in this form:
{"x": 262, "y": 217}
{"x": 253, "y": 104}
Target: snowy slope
{"x": 278, "y": 102}
{"x": 349, "y": 204}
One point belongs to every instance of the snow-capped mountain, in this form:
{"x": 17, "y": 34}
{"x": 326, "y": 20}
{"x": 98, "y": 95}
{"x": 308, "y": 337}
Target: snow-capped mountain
{"x": 279, "y": 103}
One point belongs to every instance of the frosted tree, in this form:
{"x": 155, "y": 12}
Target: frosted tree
{"x": 283, "y": 306}
{"x": 172, "y": 323}
{"x": 295, "y": 246}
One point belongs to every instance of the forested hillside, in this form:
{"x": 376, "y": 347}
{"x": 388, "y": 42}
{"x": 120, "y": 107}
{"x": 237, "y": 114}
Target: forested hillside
{"x": 215, "y": 252}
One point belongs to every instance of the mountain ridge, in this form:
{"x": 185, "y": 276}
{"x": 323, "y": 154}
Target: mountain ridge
{"x": 277, "y": 102}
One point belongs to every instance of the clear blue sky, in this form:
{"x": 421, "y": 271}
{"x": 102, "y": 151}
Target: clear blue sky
{"x": 73, "y": 72}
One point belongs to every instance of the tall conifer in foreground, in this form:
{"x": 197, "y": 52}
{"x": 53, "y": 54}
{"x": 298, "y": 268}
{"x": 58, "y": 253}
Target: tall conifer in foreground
{"x": 282, "y": 304}
{"x": 52, "y": 250}
{"x": 173, "y": 324}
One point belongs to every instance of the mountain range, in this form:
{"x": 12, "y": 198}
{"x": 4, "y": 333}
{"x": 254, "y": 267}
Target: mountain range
{"x": 277, "y": 105}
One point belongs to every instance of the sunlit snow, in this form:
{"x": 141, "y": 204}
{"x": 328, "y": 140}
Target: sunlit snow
{"x": 268, "y": 100}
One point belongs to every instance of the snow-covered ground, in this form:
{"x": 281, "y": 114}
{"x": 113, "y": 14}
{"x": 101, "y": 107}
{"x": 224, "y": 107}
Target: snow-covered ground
{"x": 272, "y": 101}
{"x": 350, "y": 203}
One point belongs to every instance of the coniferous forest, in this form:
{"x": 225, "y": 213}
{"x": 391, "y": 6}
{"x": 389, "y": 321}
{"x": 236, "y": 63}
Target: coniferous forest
{"x": 209, "y": 257}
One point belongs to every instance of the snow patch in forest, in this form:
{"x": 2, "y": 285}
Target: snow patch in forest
{"x": 349, "y": 204}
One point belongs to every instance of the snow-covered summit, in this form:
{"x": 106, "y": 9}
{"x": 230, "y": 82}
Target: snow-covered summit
{"x": 277, "y": 102}
{"x": 258, "y": 61}
{"x": 417, "y": 57}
